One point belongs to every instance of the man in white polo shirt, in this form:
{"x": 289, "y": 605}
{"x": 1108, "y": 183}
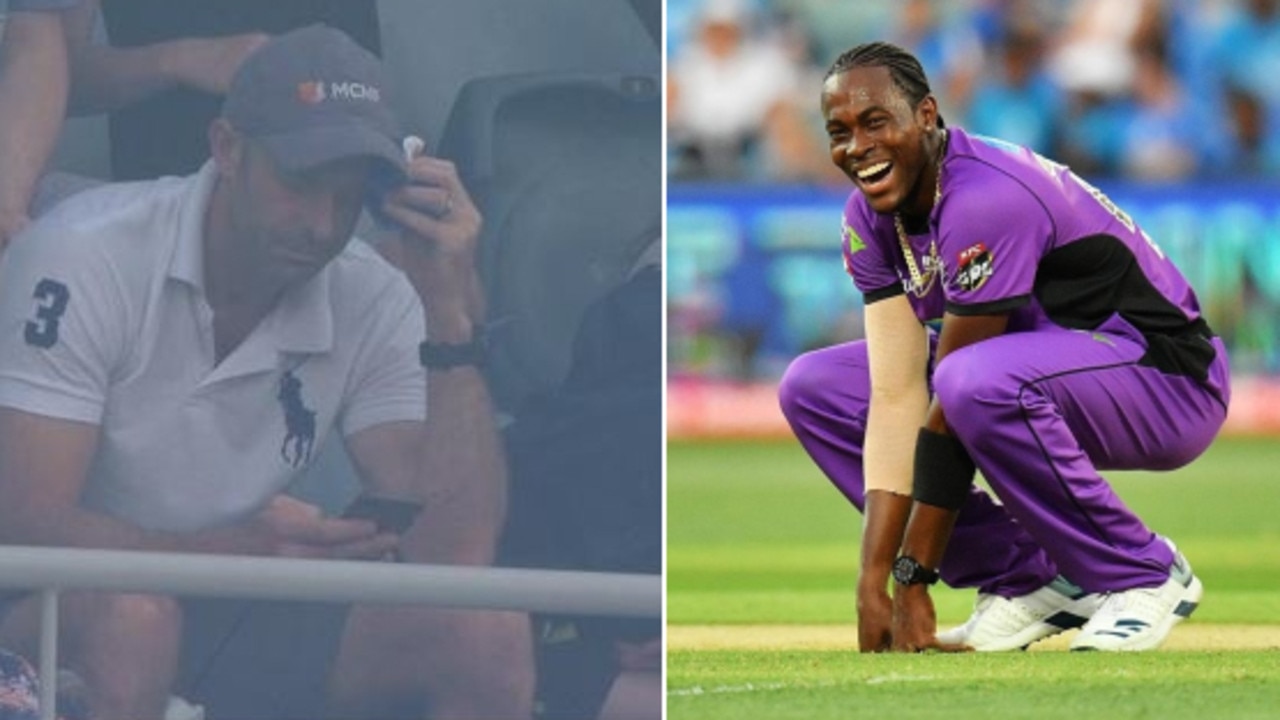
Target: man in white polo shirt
{"x": 171, "y": 353}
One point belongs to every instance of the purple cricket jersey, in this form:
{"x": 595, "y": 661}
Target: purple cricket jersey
{"x": 1016, "y": 232}
{"x": 1102, "y": 329}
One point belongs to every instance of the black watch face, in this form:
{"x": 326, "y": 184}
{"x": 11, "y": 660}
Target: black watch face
{"x": 908, "y": 571}
{"x": 904, "y": 570}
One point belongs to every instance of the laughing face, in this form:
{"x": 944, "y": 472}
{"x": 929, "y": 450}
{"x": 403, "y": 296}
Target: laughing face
{"x": 879, "y": 140}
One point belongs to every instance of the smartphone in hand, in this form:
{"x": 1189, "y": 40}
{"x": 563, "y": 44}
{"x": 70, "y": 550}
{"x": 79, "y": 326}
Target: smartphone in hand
{"x": 391, "y": 515}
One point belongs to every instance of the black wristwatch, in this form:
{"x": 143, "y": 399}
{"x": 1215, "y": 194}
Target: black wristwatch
{"x": 444, "y": 356}
{"x": 908, "y": 571}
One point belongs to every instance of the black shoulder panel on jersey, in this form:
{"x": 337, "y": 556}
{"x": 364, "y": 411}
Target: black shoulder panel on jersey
{"x": 995, "y": 307}
{"x": 883, "y": 293}
{"x": 1084, "y": 283}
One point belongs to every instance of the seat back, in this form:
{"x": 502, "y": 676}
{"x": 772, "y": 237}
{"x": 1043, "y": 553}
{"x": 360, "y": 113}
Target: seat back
{"x": 566, "y": 169}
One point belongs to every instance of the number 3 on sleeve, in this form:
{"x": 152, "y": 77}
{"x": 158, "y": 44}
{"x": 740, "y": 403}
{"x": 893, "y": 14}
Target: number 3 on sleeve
{"x": 53, "y": 297}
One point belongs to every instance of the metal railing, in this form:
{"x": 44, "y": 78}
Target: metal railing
{"x": 56, "y": 570}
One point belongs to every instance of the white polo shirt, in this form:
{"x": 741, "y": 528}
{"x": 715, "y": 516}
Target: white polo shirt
{"x": 103, "y": 320}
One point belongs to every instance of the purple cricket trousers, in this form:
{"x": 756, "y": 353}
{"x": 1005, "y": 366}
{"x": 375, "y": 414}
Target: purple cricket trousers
{"x": 1040, "y": 412}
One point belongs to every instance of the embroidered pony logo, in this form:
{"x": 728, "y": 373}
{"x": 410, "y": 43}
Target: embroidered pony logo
{"x": 299, "y": 421}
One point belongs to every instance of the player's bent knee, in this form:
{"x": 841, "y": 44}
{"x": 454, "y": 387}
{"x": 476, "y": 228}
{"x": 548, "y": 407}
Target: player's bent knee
{"x": 968, "y": 385}
{"x": 795, "y": 388}
{"x": 817, "y": 378}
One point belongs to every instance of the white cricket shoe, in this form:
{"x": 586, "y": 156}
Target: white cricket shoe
{"x": 1013, "y": 623}
{"x": 1000, "y": 623}
{"x": 1141, "y": 618}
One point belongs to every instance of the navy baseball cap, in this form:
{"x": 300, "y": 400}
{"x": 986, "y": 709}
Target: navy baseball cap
{"x": 312, "y": 96}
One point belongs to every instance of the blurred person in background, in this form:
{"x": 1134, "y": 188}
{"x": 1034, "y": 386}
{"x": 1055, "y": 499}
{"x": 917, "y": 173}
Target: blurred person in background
{"x": 1095, "y": 61}
{"x": 1250, "y": 136}
{"x": 790, "y": 151}
{"x": 1246, "y": 59}
{"x": 163, "y": 65}
{"x": 52, "y": 66}
{"x": 722, "y": 89}
{"x": 34, "y": 82}
{"x": 945, "y": 39}
{"x": 19, "y": 688}
{"x": 1128, "y": 112}
{"x": 1017, "y": 100}
{"x": 1164, "y": 126}
{"x": 1095, "y": 51}
{"x": 832, "y": 24}
{"x": 1116, "y": 87}
{"x": 215, "y": 37}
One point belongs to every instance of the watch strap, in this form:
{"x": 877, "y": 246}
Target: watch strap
{"x": 908, "y": 571}
{"x": 444, "y": 356}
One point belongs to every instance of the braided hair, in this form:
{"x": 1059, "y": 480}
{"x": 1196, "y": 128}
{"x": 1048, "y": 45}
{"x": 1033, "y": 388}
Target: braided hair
{"x": 904, "y": 68}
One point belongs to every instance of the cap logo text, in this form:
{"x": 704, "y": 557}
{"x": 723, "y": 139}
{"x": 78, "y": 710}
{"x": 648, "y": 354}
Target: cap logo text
{"x": 354, "y": 91}
{"x": 315, "y": 92}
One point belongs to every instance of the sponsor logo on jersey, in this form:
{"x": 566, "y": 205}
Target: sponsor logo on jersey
{"x": 931, "y": 267}
{"x": 973, "y": 267}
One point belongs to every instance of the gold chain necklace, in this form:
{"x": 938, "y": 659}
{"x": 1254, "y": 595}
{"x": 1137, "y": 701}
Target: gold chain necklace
{"x": 931, "y": 262}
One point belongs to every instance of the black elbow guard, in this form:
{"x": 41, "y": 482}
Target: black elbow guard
{"x": 943, "y": 471}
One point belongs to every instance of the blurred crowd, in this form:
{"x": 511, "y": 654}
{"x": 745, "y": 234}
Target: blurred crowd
{"x": 1158, "y": 90}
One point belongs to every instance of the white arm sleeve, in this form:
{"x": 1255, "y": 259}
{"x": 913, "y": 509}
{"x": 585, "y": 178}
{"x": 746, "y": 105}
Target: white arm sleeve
{"x": 898, "y": 352}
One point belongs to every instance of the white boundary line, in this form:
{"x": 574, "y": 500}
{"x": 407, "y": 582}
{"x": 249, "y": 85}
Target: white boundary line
{"x": 698, "y": 690}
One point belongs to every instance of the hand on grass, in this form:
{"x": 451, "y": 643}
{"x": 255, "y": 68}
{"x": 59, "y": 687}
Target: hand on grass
{"x": 875, "y": 617}
{"x": 915, "y": 623}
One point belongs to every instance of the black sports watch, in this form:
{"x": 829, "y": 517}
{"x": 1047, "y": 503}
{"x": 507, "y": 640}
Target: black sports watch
{"x": 445, "y": 356}
{"x": 908, "y": 571}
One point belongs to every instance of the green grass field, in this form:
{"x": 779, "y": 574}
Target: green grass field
{"x": 761, "y": 558}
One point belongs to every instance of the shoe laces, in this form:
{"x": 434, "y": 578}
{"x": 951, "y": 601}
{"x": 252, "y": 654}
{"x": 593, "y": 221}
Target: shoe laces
{"x": 1010, "y": 614}
{"x": 983, "y": 602}
{"x": 980, "y": 607}
{"x": 1137, "y": 601}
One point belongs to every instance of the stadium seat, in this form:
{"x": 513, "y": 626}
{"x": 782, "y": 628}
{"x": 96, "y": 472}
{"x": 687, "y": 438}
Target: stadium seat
{"x": 566, "y": 169}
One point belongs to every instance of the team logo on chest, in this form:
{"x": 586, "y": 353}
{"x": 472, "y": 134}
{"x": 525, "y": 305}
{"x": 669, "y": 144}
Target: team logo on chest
{"x": 299, "y": 421}
{"x": 930, "y": 268}
{"x": 973, "y": 267}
